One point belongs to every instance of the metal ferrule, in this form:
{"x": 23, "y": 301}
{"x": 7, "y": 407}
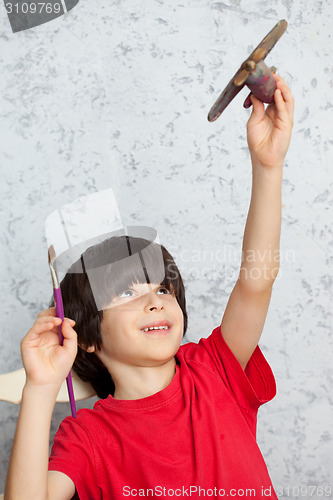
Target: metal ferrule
{"x": 54, "y": 276}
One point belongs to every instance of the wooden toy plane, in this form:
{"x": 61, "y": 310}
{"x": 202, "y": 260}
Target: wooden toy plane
{"x": 254, "y": 73}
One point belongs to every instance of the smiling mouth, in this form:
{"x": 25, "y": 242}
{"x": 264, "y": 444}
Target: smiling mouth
{"x": 156, "y": 329}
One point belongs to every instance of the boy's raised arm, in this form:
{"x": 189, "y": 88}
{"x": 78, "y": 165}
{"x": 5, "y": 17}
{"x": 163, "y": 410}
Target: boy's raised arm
{"x": 47, "y": 365}
{"x": 268, "y": 134}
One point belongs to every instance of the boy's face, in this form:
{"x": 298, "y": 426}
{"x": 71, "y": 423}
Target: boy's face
{"x": 126, "y": 329}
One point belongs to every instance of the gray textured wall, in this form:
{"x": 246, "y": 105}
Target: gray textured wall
{"x": 116, "y": 95}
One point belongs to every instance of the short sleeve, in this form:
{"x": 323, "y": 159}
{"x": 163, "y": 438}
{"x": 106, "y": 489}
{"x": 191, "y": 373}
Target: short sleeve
{"x": 72, "y": 454}
{"x": 251, "y": 387}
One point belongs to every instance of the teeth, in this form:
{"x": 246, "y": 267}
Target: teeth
{"x": 155, "y": 328}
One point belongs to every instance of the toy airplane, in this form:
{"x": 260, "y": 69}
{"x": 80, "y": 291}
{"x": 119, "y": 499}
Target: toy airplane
{"x": 254, "y": 73}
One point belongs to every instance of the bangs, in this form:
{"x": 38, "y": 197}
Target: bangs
{"x": 117, "y": 263}
{"x": 146, "y": 266}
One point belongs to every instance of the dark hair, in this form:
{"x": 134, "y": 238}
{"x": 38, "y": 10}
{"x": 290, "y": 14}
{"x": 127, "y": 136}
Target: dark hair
{"x": 113, "y": 272}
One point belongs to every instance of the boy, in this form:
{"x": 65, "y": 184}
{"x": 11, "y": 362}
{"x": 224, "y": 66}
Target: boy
{"x": 177, "y": 421}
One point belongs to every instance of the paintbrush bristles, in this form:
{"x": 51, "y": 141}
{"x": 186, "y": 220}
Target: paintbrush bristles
{"x": 52, "y": 254}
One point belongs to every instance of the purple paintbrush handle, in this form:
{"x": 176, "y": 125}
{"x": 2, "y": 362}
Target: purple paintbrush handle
{"x": 59, "y": 311}
{"x": 71, "y": 394}
{"x": 60, "y": 314}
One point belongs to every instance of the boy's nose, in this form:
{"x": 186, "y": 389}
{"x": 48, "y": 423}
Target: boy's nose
{"x": 154, "y": 301}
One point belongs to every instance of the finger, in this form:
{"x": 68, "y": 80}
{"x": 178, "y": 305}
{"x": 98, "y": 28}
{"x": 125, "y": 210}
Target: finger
{"x": 285, "y": 90}
{"x": 67, "y": 326}
{"x": 54, "y": 323}
{"x": 279, "y": 101}
{"x": 41, "y": 319}
{"x": 281, "y": 83}
{"x": 289, "y": 101}
{"x": 72, "y": 322}
{"x": 48, "y": 323}
{"x": 70, "y": 337}
{"x": 279, "y": 78}
{"x": 45, "y": 324}
{"x": 286, "y": 93}
{"x": 284, "y": 110}
{"x": 48, "y": 319}
{"x": 51, "y": 311}
{"x": 258, "y": 110}
{"x": 281, "y": 107}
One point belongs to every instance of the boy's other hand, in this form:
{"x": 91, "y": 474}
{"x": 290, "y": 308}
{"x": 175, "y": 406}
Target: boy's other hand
{"x": 269, "y": 131}
{"x": 46, "y": 362}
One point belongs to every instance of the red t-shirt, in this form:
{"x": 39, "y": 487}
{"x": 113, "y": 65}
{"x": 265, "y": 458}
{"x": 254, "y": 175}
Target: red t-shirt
{"x": 194, "y": 438}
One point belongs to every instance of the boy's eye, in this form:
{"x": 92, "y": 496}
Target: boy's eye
{"x": 163, "y": 290}
{"x": 127, "y": 293}
{"x": 131, "y": 293}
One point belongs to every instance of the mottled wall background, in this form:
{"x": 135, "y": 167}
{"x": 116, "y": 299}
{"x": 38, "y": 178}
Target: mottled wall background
{"x": 116, "y": 94}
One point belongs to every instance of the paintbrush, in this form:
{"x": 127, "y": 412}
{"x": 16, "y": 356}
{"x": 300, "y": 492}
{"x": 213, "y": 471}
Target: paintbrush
{"x": 60, "y": 314}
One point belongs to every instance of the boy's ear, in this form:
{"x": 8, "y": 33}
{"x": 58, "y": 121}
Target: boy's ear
{"x": 91, "y": 348}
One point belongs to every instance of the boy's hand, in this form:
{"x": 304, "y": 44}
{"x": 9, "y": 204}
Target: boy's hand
{"x": 269, "y": 131}
{"x": 46, "y": 362}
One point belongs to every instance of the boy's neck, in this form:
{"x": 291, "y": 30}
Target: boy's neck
{"x": 137, "y": 382}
